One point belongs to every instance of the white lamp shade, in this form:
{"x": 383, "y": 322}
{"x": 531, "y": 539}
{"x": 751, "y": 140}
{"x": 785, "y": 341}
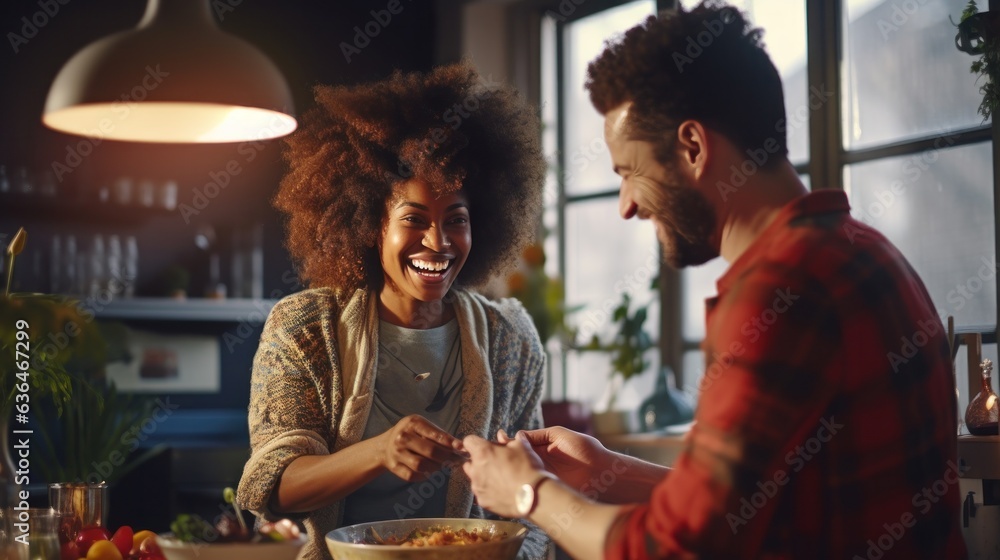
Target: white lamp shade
{"x": 176, "y": 78}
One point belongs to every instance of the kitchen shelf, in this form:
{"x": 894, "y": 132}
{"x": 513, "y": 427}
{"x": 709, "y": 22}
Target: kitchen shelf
{"x": 979, "y": 456}
{"x": 194, "y": 309}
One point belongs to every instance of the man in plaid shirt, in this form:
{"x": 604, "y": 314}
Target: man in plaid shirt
{"x": 826, "y": 423}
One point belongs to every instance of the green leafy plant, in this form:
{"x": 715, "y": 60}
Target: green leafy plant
{"x": 51, "y": 335}
{"x": 81, "y": 422}
{"x": 977, "y": 35}
{"x": 628, "y": 347}
{"x": 96, "y": 437}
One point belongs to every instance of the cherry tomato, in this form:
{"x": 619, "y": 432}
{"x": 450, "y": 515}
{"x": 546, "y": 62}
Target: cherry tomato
{"x": 149, "y": 550}
{"x": 69, "y": 551}
{"x": 138, "y": 539}
{"x": 88, "y": 536}
{"x": 123, "y": 540}
{"x": 104, "y": 550}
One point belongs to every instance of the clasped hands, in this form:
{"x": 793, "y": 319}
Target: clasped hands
{"x": 498, "y": 470}
{"x": 415, "y": 447}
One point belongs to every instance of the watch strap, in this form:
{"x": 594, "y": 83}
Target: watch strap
{"x": 542, "y": 477}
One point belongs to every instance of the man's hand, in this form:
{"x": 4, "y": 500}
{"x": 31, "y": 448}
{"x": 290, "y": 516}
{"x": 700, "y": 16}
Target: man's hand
{"x": 415, "y": 447}
{"x": 498, "y": 471}
{"x": 572, "y": 456}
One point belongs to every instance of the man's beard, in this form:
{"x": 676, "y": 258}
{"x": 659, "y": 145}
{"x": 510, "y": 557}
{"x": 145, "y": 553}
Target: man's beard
{"x": 686, "y": 223}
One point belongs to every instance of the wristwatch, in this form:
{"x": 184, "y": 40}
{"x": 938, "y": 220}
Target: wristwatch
{"x": 527, "y": 495}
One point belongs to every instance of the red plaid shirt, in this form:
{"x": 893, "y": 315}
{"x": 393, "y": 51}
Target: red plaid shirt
{"x": 827, "y": 418}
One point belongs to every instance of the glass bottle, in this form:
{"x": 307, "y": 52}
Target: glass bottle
{"x": 983, "y": 411}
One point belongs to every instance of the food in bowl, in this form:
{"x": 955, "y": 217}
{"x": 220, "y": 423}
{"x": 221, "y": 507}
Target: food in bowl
{"x": 384, "y": 540}
{"x": 444, "y": 536}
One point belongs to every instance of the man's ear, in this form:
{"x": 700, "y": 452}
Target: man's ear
{"x": 693, "y": 148}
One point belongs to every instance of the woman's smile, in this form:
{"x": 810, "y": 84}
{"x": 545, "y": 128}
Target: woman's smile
{"x": 426, "y": 241}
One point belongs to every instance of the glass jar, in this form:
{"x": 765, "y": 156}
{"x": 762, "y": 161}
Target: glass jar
{"x": 983, "y": 412}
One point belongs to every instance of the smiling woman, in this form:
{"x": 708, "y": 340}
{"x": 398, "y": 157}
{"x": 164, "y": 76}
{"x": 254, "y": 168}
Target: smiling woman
{"x": 362, "y": 383}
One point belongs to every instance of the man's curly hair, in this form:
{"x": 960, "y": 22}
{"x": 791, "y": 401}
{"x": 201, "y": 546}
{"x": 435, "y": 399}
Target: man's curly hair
{"x": 707, "y": 64}
{"x": 443, "y": 127}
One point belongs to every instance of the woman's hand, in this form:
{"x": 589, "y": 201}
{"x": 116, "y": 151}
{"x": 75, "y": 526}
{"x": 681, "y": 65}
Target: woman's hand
{"x": 415, "y": 448}
{"x": 574, "y": 457}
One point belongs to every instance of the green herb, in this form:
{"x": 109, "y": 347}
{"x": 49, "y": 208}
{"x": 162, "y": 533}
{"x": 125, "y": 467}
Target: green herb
{"x": 193, "y": 528}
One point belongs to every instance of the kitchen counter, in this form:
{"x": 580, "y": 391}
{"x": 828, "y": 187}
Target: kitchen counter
{"x": 656, "y": 447}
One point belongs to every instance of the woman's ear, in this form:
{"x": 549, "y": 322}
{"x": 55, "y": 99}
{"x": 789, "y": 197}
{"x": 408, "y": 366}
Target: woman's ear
{"x": 693, "y": 148}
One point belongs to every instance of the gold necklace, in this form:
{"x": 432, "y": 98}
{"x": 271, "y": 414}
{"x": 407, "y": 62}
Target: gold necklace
{"x": 442, "y": 395}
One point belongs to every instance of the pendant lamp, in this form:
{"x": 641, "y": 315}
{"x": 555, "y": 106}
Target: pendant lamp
{"x": 176, "y": 78}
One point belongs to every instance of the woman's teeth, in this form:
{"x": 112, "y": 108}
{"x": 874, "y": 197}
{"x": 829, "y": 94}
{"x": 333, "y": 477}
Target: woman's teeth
{"x": 430, "y": 266}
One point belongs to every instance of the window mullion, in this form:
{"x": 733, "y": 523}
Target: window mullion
{"x": 823, "y": 40}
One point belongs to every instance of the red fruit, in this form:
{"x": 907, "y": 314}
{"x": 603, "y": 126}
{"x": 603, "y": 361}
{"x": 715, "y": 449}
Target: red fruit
{"x": 69, "y": 551}
{"x": 88, "y": 536}
{"x": 123, "y": 540}
{"x": 149, "y": 550}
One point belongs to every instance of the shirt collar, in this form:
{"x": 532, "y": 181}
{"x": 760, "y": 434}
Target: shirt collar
{"x": 817, "y": 202}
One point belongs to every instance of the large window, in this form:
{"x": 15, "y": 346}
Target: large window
{"x": 600, "y": 256}
{"x": 879, "y": 103}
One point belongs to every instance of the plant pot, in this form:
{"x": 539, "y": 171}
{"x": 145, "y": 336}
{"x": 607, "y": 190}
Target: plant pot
{"x": 612, "y": 422}
{"x": 574, "y": 415}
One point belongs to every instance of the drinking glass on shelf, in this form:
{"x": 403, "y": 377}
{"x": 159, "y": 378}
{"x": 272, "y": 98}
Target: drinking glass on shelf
{"x": 131, "y": 268}
{"x": 168, "y": 195}
{"x": 56, "y": 265}
{"x": 82, "y": 286}
{"x": 146, "y": 193}
{"x": 123, "y": 191}
{"x": 98, "y": 273}
{"x": 69, "y": 269}
{"x": 114, "y": 273}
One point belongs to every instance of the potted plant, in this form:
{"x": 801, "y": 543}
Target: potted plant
{"x": 628, "y": 350}
{"x": 40, "y": 336}
{"x": 977, "y": 35}
{"x": 54, "y": 351}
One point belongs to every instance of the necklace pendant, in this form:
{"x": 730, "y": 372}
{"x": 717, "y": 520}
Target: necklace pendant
{"x": 421, "y": 376}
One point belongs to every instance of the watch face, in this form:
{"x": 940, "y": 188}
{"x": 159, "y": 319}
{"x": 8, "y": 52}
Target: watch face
{"x": 524, "y": 499}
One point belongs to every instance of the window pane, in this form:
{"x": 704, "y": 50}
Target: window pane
{"x": 902, "y": 75}
{"x": 937, "y": 208}
{"x": 784, "y": 25}
{"x": 693, "y": 363}
{"x": 589, "y": 376}
{"x": 698, "y": 284}
{"x": 585, "y": 162}
{"x": 606, "y": 256}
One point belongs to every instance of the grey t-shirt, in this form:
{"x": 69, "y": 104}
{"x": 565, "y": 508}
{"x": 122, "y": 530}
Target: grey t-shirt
{"x": 401, "y": 389}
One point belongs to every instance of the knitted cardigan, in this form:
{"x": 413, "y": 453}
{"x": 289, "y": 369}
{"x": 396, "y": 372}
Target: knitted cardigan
{"x": 312, "y": 384}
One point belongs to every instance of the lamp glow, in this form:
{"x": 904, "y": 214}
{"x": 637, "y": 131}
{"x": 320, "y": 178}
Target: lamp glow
{"x": 176, "y": 78}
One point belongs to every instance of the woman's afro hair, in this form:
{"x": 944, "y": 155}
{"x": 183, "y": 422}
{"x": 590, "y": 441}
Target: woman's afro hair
{"x": 446, "y": 128}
